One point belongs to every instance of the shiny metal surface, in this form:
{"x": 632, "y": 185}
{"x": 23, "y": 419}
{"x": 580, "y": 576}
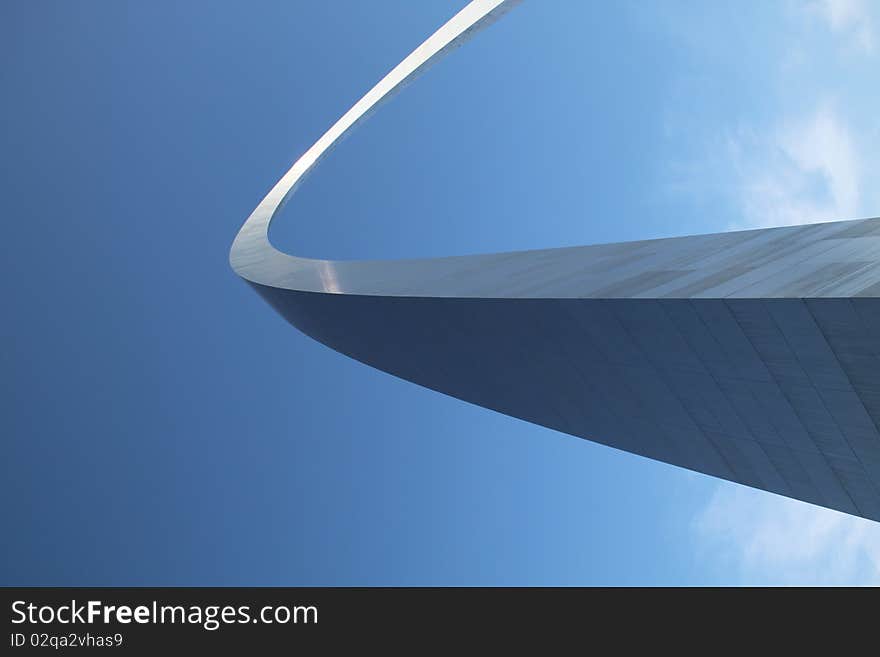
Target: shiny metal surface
{"x": 752, "y": 356}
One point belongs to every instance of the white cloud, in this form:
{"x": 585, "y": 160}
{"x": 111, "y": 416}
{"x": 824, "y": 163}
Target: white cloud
{"x": 800, "y": 144}
{"x": 804, "y": 171}
{"x": 849, "y": 19}
{"x": 767, "y": 539}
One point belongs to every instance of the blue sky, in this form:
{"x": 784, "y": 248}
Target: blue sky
{"x": 163, "y": 426}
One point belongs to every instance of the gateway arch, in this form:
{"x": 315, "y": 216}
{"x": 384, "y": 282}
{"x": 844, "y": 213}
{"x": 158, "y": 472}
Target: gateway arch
{"x": 751, "y": 356}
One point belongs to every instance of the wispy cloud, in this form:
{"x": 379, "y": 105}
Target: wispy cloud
{"x": 805, "y": 170}
{"x": 851, "y": 20}
{"x": 803, "y": 145}
{"x": 767, "y": 539}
